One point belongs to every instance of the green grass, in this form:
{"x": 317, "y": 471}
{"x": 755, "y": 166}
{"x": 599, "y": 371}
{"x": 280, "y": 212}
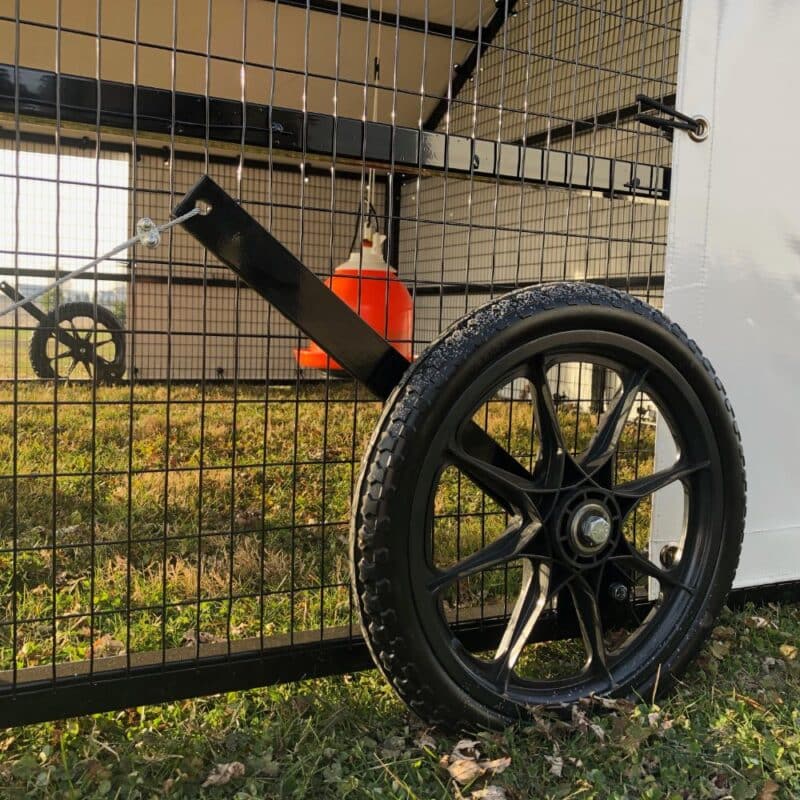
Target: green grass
{"x": 272, "y": 503}
{"x": 270, "y": 522}
{"x": 731, "y": 729}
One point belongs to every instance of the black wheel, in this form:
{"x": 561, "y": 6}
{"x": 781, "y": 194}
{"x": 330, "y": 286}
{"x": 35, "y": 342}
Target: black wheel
{"x": 80, "y": 340}
{"x": 553, "y": 551}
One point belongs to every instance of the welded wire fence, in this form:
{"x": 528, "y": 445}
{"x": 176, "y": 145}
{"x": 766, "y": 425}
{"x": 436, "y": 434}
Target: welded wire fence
{"x": 186, "y": 509}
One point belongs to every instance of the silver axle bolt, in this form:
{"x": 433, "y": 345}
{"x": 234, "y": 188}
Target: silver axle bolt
{"x": 595, "y": 529}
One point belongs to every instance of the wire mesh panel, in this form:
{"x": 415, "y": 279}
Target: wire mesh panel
{"x": 177, "y": 503}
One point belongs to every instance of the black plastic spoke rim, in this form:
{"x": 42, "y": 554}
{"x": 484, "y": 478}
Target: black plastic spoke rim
{"x": 537, "y": 502}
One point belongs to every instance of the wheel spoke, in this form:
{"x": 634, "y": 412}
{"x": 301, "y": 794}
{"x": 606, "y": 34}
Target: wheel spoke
{"x": 475, "y": 459}
{"x": 603, "y": 444}
{"x": 502, "y": 550}
{"x": 530, "y": 603}
{"x": 591, "y": 625}
{"x": 633, "y": 559}
{"x": 648, "y": 484}
{"x": 550, "y": 435}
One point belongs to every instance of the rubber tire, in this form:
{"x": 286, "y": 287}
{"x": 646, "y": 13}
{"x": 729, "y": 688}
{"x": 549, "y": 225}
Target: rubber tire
{"x": 37, "y": 350}
{"x": 379, "y": 565}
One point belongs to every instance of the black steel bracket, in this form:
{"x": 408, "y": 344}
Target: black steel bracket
{"x": 696, "y": 127}
{"x": 264, "y": 264}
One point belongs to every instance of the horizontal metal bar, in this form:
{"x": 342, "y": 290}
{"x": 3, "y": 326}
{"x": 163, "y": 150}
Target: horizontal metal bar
{"x": 165, "y": 152}
{"x": 418, "y": 288}
{"x": 108, "y": 684}
{"x": 156, "y": 677}
{"x": 625, "y": 282}
{"x": 319, "y": 137}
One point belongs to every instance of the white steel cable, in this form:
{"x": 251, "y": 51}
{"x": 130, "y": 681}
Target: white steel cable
{"x": 147, "y": 233}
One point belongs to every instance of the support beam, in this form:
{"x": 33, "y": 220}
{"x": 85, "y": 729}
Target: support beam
{"x": 163, "y": 116}
{"x": 467, "y": 69}
{"x": 394, "y": 199}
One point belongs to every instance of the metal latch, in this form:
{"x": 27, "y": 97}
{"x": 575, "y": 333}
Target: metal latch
{"x": 697, "y": 127}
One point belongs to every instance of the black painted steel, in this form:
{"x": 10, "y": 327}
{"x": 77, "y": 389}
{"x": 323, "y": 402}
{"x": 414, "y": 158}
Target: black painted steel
{"x": 260, "y": 260}
{"x": 310, "y": 135}
{"x": 569, "y": 130}
{"x": 466, "y": 70}
{"x": 675, "y": 120}
{"x": 268, "y": 267}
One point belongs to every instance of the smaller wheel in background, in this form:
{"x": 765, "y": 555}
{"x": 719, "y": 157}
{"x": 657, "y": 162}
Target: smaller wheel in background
{"x": 79, "y": 341}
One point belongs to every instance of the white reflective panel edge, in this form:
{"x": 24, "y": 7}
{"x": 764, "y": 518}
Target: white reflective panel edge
{"x": 733, "y": 259}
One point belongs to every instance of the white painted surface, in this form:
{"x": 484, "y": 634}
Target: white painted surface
{"x": 733, "y": 262}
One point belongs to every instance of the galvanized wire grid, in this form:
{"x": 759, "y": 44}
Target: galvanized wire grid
{"x": 198, "y": 507}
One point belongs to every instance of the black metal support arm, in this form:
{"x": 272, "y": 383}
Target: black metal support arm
{"x": 262, "y": 262}
{"x": 674, "y": 120}
{"x": 12, "y": 294}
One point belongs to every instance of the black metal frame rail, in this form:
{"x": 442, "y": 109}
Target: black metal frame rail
{"x": 173, "y": 676}
{"x": 317, "y": 137}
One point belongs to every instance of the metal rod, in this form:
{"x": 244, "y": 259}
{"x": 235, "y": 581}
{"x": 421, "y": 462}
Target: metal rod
{"x": 140, "y": 238}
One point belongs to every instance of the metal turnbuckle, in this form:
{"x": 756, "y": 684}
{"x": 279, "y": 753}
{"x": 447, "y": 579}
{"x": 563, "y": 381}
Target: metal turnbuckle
{"x": 697, "y": 127}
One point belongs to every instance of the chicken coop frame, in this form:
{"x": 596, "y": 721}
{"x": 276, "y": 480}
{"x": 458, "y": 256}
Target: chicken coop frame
{"x": 589, "y": 158}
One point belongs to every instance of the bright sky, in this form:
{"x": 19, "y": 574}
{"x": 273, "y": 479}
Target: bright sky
{"x": 47, "y": 228}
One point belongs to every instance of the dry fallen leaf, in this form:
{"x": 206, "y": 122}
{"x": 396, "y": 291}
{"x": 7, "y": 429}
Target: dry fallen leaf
{"x": 465, "y": 765}
{"x": 758, "y": 622}
{"x": 223, "y": 773}
{"x": 190, "y": 638}
{"x": 425, "y": 742}
{"x": 464, "y": 770}
{"x": 490, "y": 792}
{"x": 107, "y": 645}
{"x": 719, "y": 649}
{"x": 788, "y": 651}
{"x": 582, "y": 723}
{"x": 769, "y": 791}
{"x": 556, "y": 765}
{"x": 723, "y": 633}
{"x": 612, "y": 703}
{"x": 496, "y": 765}
{"x": 466, "y": 748}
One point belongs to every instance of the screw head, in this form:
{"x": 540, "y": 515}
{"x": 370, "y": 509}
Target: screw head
{"x": 595, "y": 529}
{"x": 668, "y": 556}
{"x": 618, "y": 592}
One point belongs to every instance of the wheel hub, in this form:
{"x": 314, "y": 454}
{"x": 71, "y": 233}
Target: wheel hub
{"x": 587, "y": 528}
{"x": 590, "y": 528}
